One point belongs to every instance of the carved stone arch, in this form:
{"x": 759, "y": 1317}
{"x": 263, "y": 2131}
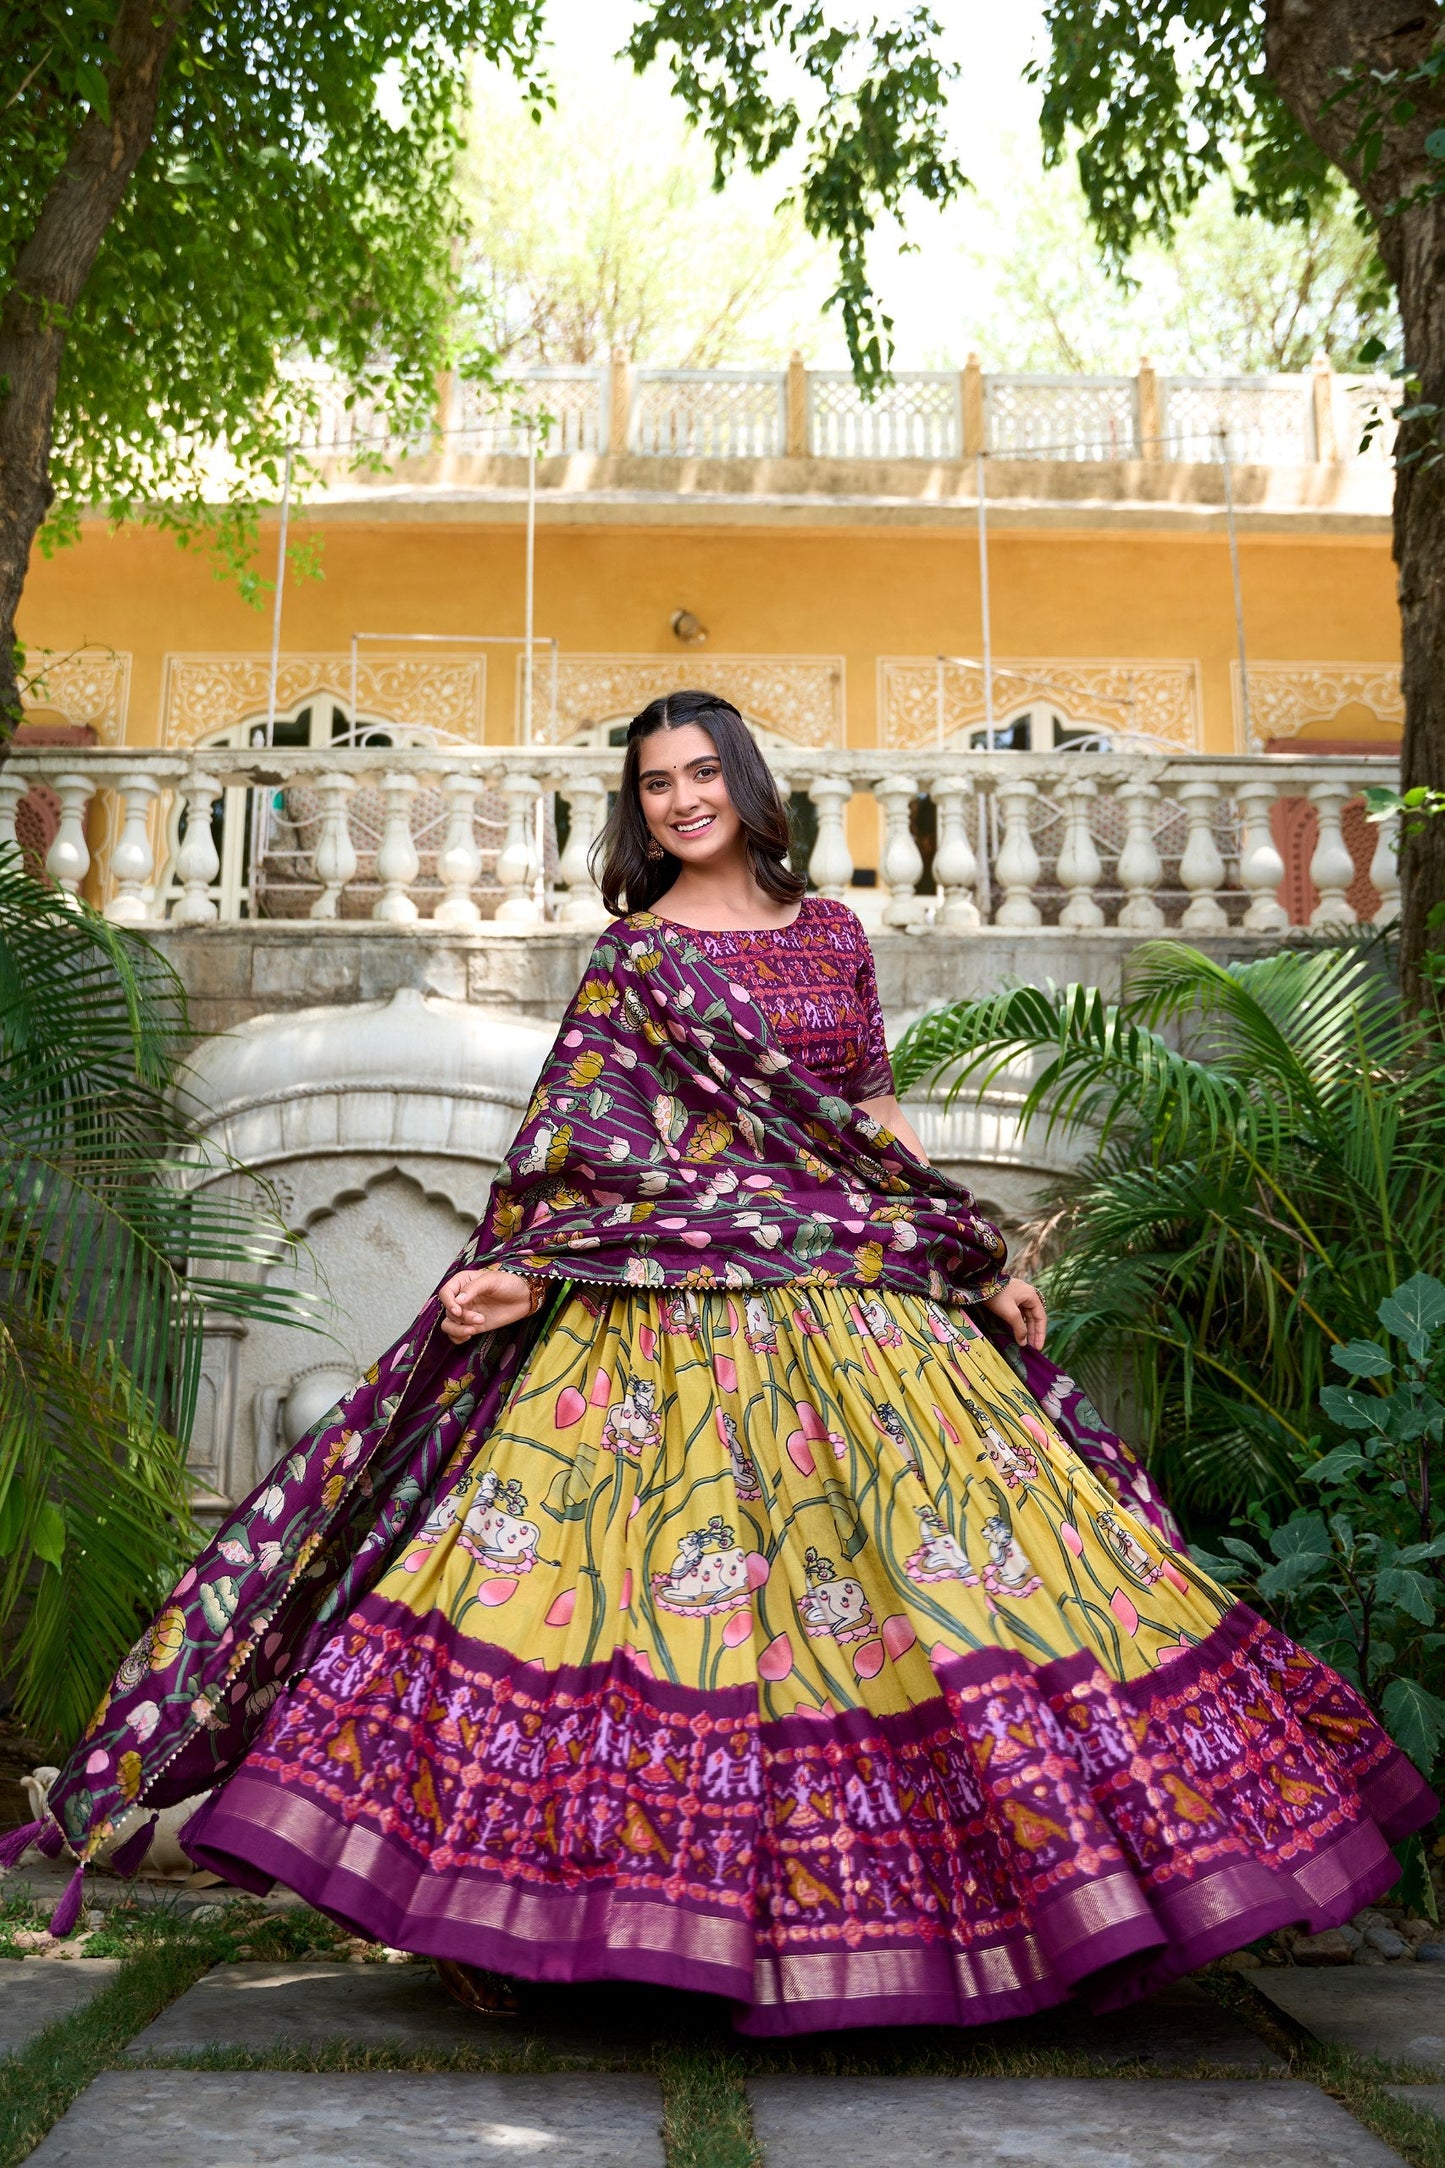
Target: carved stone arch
{"x": 792, "y": 700}
{"x": 207, "y": 696}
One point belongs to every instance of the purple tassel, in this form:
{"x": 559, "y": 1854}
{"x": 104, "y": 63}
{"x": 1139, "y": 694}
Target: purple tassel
{"x": 67, "y": 1912}
{"x": 127, "y": 1858}
{"x": 14, "y": 1846}
{"x": 51, "y": 1841}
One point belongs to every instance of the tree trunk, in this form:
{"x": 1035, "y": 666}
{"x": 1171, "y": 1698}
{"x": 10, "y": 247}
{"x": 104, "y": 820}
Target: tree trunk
{"x": 48, "y": 279}
{"x": 1312, "y": 47}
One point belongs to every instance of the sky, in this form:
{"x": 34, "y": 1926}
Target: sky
{"x": 930, "y": 289}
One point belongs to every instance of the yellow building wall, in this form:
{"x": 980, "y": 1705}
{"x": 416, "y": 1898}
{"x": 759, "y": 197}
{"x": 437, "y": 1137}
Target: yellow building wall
{"x": 858, "y": 592}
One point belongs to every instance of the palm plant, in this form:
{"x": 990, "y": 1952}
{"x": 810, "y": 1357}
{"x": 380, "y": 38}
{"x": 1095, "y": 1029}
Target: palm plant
{"x": 1262, "y": 1162}
{"x": 108, "y": 1260}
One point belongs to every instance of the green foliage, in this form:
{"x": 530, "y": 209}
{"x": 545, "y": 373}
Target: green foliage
{"x": 1262, "y": 1161}
{"x": 1166, "y": 98}
{"x": 1359, "y": 1577}
{"x": 108, "y": 1257}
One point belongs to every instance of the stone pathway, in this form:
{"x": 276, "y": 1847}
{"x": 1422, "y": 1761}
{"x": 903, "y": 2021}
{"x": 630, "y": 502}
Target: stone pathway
{"x": 373, "y": 2119}
{"x": 1057, "y": 2123}
{"x": 33, "y": 1996}
{"x": 145, "y": 2115}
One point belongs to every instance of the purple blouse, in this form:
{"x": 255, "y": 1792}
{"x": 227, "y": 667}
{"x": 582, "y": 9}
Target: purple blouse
{"x": 815, "y": 983}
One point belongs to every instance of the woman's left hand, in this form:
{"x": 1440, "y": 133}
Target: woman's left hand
{"x": 1022, "y": 1309}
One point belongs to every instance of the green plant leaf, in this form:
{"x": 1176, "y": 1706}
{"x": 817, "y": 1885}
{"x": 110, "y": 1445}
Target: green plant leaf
{"x": 47, "y": 1537}
{"x": 1416, "y": 1718}
{"x": 1409, "y": 1590}
{"x": 1356, "y": 1411}
{"x": 1414, "y": 1312}
{"x": 1303, "y": 1536}
{"x": 1226, "y": 1570}
{"x": 1336, "y": 1467}
{"x": 1362, "y": 1358}
{"x": 1293, "y": 1573}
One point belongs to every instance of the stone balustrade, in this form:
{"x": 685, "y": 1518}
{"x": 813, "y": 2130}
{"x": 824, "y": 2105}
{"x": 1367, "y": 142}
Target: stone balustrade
{"x": 453, "y": 835}
{"x": 1306, "y": 418}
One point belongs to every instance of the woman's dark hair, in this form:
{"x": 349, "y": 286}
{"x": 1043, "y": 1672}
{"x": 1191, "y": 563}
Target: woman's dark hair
{"x": 632, "y": 881}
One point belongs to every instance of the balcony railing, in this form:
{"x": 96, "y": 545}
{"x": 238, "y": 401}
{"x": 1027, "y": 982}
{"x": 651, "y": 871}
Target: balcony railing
{"x": 944, "y": 414}
{"x": 453, "y": 835}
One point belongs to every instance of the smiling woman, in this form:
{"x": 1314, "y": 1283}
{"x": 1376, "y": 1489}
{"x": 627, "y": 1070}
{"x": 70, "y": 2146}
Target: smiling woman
{"x": 693, "y": 785}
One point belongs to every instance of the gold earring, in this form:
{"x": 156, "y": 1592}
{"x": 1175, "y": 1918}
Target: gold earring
{"x": 654, "y": 849}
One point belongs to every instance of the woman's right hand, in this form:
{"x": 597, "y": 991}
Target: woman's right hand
{"x": 484, "y": 1301}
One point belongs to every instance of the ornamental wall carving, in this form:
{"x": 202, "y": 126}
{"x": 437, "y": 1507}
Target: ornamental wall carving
{"x": 1155, "y": 699}
{"x": 90, "y": 687}
{"x": 797, "y": 697}
{"x": 1284, "y": 697}
{"x": 202, "y": 695}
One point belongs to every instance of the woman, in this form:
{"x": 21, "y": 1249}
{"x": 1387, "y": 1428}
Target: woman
{"x": 718, "y": 1586}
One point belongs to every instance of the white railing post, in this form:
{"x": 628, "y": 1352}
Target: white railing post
{"x": 459, "y": 862}
{"x": 955, "y": 868}
{"x": 517, "y": 859}
{"x": 13, "y": 788}
{"x": 133, "y": 861}
{"x": 830, "y": 866}
{"x": 335, "y": 855}
{"x": 1080, "y": 868}
{"x": 1201, "y": 869}
{"x": 901, "y": 862}
{"x": 1331, "y": 867}
{"x": 68, "y": 859}
{"x": 1017, "y": 866}
{"x": 198, "y": 862}
{"x": 582, "y": 903}
{"x": 1385, "y": 872}
{"x": 397, "y": 860}
{"x": 1261, "y": 868}
{"x": 1140, "y": 867}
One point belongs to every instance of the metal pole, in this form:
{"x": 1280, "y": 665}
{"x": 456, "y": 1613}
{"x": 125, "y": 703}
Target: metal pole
{"x": 530, "y": 577}
{"x": 276, "y": 606}
{"x": 984, "y": 604}
{"x": 938, "y": 703}
{"x": 355, "y": 641}
{"x": 1249, "y": 740}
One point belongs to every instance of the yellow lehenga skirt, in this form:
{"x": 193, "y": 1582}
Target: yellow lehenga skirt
{"x": 777, "y": 1646}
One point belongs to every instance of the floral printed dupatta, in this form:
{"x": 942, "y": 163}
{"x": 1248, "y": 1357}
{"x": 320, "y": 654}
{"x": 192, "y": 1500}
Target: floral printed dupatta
{"x": 669, "y": 1143}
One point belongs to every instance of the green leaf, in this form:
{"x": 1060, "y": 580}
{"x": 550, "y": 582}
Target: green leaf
{"x": 1302, "y": 1536}
{"x": 1226, "y": 1570}
{"x": 1409, "y": 1590}
{"x": 1414, "y": 1312}
{"x": 47, "y": 1537}
{"x": 1293, "y": 1573}
{"x": 12, "y": 1517}
{"x": 1435, "y": 148}
{"x": 1356, "y": 1411}
{"x": 1244, "y": 1552}
{"x": 1336, "y": 1467}
{"x": 1416, "y": 1718}
{"x": 1415, "y": 1889}
{"x": 1362, "y": 1358}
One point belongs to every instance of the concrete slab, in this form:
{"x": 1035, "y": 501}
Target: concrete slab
{"x": 1178, "y": 2026}
{"x": 1040, "y": 2122}
{"x": 35, "y": 1991}
{"x": 1421, "y": 2096}
{"x": 1390, "y": 2010}
{"x": 259, "y": 2005}
{"x": 374, "y": 2119}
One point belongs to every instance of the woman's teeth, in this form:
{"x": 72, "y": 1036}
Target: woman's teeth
{"x": 693, "y": 828}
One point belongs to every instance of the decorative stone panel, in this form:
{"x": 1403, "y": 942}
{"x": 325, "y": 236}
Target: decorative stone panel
{"x": 1284, "y": 697}
{"x": 798, "y": 697}
{"x": 202, "y": 695}
{"x": 89, "y": 687}
{"x": 1159, "y": 699}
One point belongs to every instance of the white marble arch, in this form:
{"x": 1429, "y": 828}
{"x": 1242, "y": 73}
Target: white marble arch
{"x": 381, "y": 1125}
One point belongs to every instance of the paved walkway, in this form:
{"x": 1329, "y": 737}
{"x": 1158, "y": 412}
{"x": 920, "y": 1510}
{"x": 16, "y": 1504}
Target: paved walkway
{"x": 1232, "y": 2103}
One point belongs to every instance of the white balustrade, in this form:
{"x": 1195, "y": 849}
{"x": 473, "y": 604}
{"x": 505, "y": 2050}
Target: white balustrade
{"x": 1331, "y": 867}
{"x": 955, "y": 868}
{"x": 1201, "y": 869}
{"x": 459, "y": 862}
{"x": 68, "y": 859}
{"x": 830, "y": 868}
{"x": 1090, "y": 845}
{"x": 1140, "y": 867}
{"x": 1080, "y": 868}
{"x": 581, "y": 903}
{"x": 335, "y": 857}
{"x": 397, "y": 861}
{"x": 1017, "y": 867}
{"x": 1385, "y": 870}
{"x": 133, "y": 861}
{"x": 1261, "y": 868}
{"x": 517, "y": 859}
{"x": 902, "y": 862}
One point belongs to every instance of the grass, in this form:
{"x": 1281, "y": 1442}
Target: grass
{"x": 702, "y": 2069}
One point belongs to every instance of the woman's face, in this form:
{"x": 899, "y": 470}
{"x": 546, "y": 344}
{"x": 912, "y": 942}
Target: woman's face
{"x": 684, "y": 798}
